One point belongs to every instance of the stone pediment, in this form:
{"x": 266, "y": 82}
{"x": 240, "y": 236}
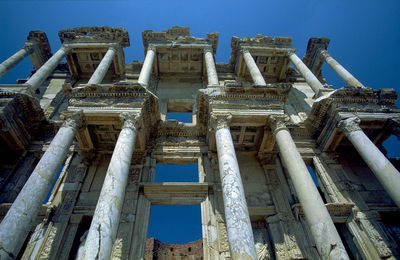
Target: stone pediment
{"x": 178, "y": 35}
{"x": 95, "y": 34}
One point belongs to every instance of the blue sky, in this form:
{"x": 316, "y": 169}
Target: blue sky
{"x": 364, "y": 34}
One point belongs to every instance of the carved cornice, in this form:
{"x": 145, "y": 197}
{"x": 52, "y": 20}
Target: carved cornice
{"x": 220, "y": 120}
{"x": 176, "y": 36}
{"x": 130, "y": 120}
{"x": 95, "y": 34}
{"x": 351, "y": 99}
{"x": 350, "y": 125}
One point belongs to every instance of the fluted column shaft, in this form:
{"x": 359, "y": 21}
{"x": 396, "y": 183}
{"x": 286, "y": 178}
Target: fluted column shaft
{"x": 12, "y": 61}
{"x": 46, "y": 69}
{"x": 104, "y": 226}
{"x": 384, "y": 171}
{"x": 212, "y": 75}
{"x": 145, "y": 73}
{"x": 305, "y": 72}
{"x": 102, "y": 69}
{"x": 340, "y": 70}
{"x": 255, "y": 72}
{"x": 19, "y": 219}
{"x": 238, "y": 224}
{"x": 326, "y": 237}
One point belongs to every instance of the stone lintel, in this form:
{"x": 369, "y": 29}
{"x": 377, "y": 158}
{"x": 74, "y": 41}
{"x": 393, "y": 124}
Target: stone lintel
{"x": 176, "y": 193}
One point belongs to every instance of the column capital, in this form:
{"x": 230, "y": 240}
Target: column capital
{"x": 220, "y": 120}
{"x": 208, "y": 49}
{"x": 278, "y": 122}
{"x": 152, "y": 47}
{"x": 290, "y": 52}
{"x": 324, "y": 53}
{"x": 130, "y": 120}
{"x": 30, "y": 45}
{"x": 244, "y": 50}
{"x": 350, "y": 125}
{"x": 74, "y": 121}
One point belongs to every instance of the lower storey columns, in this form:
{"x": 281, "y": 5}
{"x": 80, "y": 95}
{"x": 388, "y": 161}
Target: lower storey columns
{"x": 145, "y": 73}
{"x": 255, "y": 73}
{"x": 41, "y": 74}
{"x": 340, "y": 70}
{"x": 104, "y": 226}
{"x": 102, "y": 69}
{"x": 11, "y": 62}
{"x": 210, "y": 66}
{"x": 306, "y": 73}
{"x": 326, "y": 237}
{"x": 238, "y": 224}
{"x": 384, "y": 171}
{"x": 18, "y": 221}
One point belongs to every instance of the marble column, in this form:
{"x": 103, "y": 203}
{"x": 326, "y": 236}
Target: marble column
{"x": 19, "y": 219}
{"x": 384, "y": 171}
{"x": 145, "y": 73}
{"x": 11, "y": 62}
{"x": 104, "y": 226}
{"x": 340, "y": 70}
{"x": 305, "y": 72}
{"x": 41, "y": 74}
{"x": 255, "y": 73}
{"x": 212, "y": 75}
{"x": 102, "y": 69}
{"x": 326, "y": 237}
{"x": 238, "y": 224}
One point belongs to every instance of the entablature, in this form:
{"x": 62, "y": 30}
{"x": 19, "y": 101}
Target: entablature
{"x": 375, "y": 108}
{"x": 312, "y": 59}
{"x": 268, "y": 53}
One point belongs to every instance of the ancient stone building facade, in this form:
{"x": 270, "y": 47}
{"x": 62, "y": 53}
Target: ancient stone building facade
{"x": 97, "y": 126}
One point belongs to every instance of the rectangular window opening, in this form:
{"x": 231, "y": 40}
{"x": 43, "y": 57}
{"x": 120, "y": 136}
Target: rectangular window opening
{"x": 176, "y": 230}
{"x": 177, "y": 172}
{"x": 181, "y": 117}
{"x": 315, "y": 179}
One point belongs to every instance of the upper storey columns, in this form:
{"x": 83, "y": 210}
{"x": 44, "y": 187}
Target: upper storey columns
{"x": 212, "y": 75}
{"x": 238, "y": 224}
{"x": 102, "y": 69}
{"x": 255, "y": 73}
{"x": 145, "y": 73}
{"x": 11, "y": 62}
{"x": 384, "y": 171}
{"x": 326, "y": 237}
{"x": 305, "y": 72}
{"x": 46, "y": 69}
{"x": 340, "y": 70}
{"x": 104, "y": 226}
{"x": 19, "y": 219}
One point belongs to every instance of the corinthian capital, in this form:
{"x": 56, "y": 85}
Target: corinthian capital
{"x": 324, "y": 53}
{"x": 131, "y": 120}
{"x": 350, "y": 125}
{"x": 74, "y": 121}
{"x": 208, "y": 49}
{"x": 220, "y": 120}
{"x": 277, "y": 122}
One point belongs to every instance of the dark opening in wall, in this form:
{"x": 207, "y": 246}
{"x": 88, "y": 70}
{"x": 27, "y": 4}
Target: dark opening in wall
{"x": 177, "y": 172}
{"x": 348, "y": 241}
{"x": 315, "y": 179}
{"x": 80, "y": 237}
